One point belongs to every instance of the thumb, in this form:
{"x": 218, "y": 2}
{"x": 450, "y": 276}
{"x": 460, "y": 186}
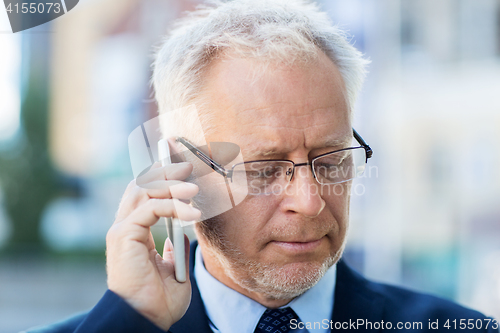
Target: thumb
{"x": 168, "y": 253}
{"x": 168, "y": 250}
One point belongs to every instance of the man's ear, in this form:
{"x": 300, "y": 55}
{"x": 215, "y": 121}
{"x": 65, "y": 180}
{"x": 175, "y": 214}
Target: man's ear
{"x": 176, "y": 155}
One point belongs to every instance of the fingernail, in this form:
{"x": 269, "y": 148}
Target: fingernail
{"x": 184, "y": 186}
{"x": 190, "y": 186}
{"x": 185, "y": 211}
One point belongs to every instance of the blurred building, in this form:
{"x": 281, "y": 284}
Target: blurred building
{"x": 426, "y": 215}
{"x": 100, "y": 93}
{"x": 430, "y": 218}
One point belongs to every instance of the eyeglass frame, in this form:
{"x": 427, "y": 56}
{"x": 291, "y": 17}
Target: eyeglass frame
{"x": 229, "y": 173}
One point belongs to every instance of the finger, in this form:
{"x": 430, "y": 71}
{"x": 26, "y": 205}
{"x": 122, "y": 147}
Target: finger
{"x": 148, "y": 214}
{"x": 156, "y": 165}
{"x": 133, "y": 183}
{"x": 166, "y": 189}
{"x": 136, "y": 225}
{"x": 168, "y": 250}
{"x": 166, "y": 266}
{"x": 168, "y": 253}
{"x": 129, "y": 188}
{"x": 176, "y": 171}
{"x": 124, "y": 205}
{"x": 150, "y": 243}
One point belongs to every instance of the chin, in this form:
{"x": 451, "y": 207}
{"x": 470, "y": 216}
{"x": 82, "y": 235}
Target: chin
{"x": 281, "y": 282}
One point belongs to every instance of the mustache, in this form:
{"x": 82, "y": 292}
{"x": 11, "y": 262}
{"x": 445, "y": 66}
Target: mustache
{"x": 299, "y": 228}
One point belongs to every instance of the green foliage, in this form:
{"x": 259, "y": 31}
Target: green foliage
{"x": 27, "y": 177}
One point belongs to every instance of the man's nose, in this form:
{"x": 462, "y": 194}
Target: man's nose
{"x": 302, "y": 194}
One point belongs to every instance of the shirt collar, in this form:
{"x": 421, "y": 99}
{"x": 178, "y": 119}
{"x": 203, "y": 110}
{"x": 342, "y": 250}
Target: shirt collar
{"x": 229, "y": 311}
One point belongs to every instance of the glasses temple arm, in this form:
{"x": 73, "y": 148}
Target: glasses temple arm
{"x": 369, "y": 151}
{"x": 203, "y": 157}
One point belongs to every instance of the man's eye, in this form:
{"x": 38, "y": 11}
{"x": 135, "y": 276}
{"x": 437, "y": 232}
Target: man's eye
{"x": 330, "y": 164}
{"x": 335, "y": 160}
{"x": 262, "y": 173}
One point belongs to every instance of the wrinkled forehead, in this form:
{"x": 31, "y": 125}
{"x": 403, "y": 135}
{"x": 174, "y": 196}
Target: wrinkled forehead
{"x": 303, "y": 104}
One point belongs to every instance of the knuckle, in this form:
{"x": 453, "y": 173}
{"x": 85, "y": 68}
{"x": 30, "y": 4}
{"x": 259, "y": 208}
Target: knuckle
{"x": 139, "y": 192}
{"x": 111, "y": 234}
{"x": 152, "y": 203}
{"x": 131, "y": 184}
{"x": 166, "y": 172}
{"x": 158, "y": 206}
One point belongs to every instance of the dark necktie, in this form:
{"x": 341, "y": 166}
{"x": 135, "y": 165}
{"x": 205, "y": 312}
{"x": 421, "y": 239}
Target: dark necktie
{"x": 276, "y": 321}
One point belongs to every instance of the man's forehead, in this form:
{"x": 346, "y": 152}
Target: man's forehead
{"x": 260, "y": 83}
{"x": 254, "y": 147}
{"x": 279, "y": 111}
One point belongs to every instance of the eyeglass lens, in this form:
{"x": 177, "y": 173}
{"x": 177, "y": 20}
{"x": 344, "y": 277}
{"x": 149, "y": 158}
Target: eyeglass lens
{"x": 271, "y": 177}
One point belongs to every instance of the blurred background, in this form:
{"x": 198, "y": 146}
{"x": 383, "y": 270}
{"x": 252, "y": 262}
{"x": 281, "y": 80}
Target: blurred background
{"x": 426, "y": 216}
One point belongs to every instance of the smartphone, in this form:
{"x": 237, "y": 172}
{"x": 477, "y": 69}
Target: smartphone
{"x": 174, "y": 225}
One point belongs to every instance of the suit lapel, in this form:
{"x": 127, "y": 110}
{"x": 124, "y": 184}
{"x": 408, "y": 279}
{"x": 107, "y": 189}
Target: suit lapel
{"x": 195, "y": 319}
{"x": 355, "y": 299}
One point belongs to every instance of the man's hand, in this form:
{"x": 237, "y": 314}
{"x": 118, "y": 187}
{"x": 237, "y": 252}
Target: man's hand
{"x": 136, "y": 271}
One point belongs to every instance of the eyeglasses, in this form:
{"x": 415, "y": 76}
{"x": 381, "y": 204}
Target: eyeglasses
{"x": 272, "y": 176}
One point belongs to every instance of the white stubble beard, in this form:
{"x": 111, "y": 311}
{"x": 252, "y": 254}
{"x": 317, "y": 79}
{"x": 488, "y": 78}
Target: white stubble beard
{"x": 271, "y": 280}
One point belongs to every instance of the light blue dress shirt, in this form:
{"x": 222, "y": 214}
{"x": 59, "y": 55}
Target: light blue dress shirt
{"x": 229, "y": 311}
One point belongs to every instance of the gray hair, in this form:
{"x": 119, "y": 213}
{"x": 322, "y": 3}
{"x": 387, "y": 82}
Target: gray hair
{"x": 267, "y": 30}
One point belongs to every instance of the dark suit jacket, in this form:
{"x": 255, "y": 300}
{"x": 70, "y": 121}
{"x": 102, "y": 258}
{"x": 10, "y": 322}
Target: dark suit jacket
{"x": 356, "y": 299}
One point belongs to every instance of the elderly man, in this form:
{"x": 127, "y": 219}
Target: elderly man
{"x": 278, "y": 80}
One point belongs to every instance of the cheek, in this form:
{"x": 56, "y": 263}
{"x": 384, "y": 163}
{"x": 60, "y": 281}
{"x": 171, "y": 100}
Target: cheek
{"x": 337, "y": 200}
{"x": 213, "y": 197}
{"x": 246, "y": 223}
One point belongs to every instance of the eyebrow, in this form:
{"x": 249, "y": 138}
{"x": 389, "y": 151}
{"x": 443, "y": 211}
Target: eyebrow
{"x": 258, "y": 152}
{"x": 339, "y": 142}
